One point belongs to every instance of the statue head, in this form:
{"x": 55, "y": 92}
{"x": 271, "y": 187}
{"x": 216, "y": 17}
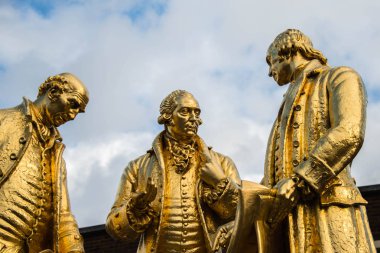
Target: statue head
{"x": 288, "y": 43}
{"x": 288, "y": 49}
{"x": 63, "y": 96}
{"x": 180, "y": 113}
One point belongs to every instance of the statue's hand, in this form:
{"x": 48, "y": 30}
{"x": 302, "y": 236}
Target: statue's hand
{"x": 141, "y": 200}
{"x": 223, "y": 236}
{"x": 211, "y": 171}
{"x": 287, "y": 189}
{"x": 287, "y": 196}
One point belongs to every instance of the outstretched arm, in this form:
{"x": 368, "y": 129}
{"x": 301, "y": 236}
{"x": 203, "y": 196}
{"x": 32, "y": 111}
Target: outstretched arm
{"x": 131, "y": 213}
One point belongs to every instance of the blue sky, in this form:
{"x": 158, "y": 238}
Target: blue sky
{"x": 131, "y": 54}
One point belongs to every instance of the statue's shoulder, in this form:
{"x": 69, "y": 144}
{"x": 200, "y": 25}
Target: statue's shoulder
{"x": 13, "y": 118}
{"x": 17, "y": 111}
{"x": 339, "y": 71}
{"x": 221, "y": 156}
{"x": 142, "y": 160}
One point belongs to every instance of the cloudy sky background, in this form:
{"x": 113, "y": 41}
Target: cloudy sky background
{"x": 131, "y": 54}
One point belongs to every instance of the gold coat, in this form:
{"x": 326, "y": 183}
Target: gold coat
{"x": 15, "y": 135}
{"x": 152, "y": 165}
{"x": 318, "y": 132}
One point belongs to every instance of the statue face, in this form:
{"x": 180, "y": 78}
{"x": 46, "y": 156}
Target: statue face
{"x": 185, "y": 118}
{"x": 66, "y": 104}
{"x": 280, "y": 68}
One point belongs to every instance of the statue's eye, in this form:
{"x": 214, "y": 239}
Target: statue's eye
{"x": 184, "y": 111}
{"x": 74, "y": 104}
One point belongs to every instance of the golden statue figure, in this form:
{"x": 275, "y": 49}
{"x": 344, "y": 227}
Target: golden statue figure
{"x": 181, "y": 196}
{"x": 35, "y": 213}
{"x": 317, "y": 134}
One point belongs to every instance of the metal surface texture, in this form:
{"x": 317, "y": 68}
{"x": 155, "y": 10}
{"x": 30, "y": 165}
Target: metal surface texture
{"x": 317, "y": 134}
{"x": 35, "y": 213}
{"x": 181, "y": 196}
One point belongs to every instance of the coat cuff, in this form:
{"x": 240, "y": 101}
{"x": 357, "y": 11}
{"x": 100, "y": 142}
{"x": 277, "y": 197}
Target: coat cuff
{"x": 69, "y": 238}
{"x": 139, "y": 220}
{"x": 225, "y": 204}
{"x": 118, "y": 227}
{"x": 318, "y": 175}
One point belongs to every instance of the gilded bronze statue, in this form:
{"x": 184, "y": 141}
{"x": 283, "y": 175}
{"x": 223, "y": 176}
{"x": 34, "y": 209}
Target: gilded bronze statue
{"x": 318, "y": 132}
{"x": 35, "y": 213}
{"x": 181, "y": 196}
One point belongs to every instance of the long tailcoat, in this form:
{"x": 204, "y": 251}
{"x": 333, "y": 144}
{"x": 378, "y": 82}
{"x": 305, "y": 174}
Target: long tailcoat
{"x": 15, "y": 135}
{"x": 152, "y": 165}
{"x": 318, "y": 132}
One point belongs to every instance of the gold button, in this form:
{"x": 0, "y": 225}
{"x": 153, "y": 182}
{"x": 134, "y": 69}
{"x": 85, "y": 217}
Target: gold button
{"x": 296, "y": 125}
{"x": 295, "y": 163}
{"x": 298, "y": 108}
{"x": 185, "y": 224}
{"x": 22, "y": 140}
{"x": 296, "y": 144}
{"x": 13, "y": 156}
{"x": 185, "y": 232}
{"x": 183, "y": 177}
{"x": 186, "y": 216}
{"x": 76, "y": 237}
{"x": 183, "y": 239}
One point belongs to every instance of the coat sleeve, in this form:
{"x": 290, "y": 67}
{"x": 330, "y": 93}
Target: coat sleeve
{"x": 336, "y": 149}
{"x": 69, "y": 238}
{"x": 121, "y": 223}
{"x": 226, "y": 204}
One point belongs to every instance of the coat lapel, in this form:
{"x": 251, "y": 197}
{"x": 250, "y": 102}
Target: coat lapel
{"x": 294, "y": 91}
{"x": 158, "y": 150}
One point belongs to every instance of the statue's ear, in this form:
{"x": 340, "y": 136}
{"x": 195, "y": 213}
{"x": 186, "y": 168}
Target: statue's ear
{"x": 54, "y": 93}
{"x": 170, "y": 122}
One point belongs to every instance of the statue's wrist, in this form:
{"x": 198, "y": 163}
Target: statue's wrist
{"x": 217, "y": 191}
{"x": 302, "y": 186}
{"x": 139, "y": 219}
{"x": 137, "y": 208}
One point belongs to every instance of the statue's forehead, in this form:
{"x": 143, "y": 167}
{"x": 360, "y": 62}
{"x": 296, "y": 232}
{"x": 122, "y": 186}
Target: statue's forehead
{"x": 77, "y": 91}
{"x": 187, "y": 100}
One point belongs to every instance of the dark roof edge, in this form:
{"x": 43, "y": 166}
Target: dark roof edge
{"x": 369, "y": 188}
{"x": 91, "y": 229}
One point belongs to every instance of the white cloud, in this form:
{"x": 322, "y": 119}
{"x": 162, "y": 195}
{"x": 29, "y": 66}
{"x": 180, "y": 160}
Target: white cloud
{"x": 214, "y": 49}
